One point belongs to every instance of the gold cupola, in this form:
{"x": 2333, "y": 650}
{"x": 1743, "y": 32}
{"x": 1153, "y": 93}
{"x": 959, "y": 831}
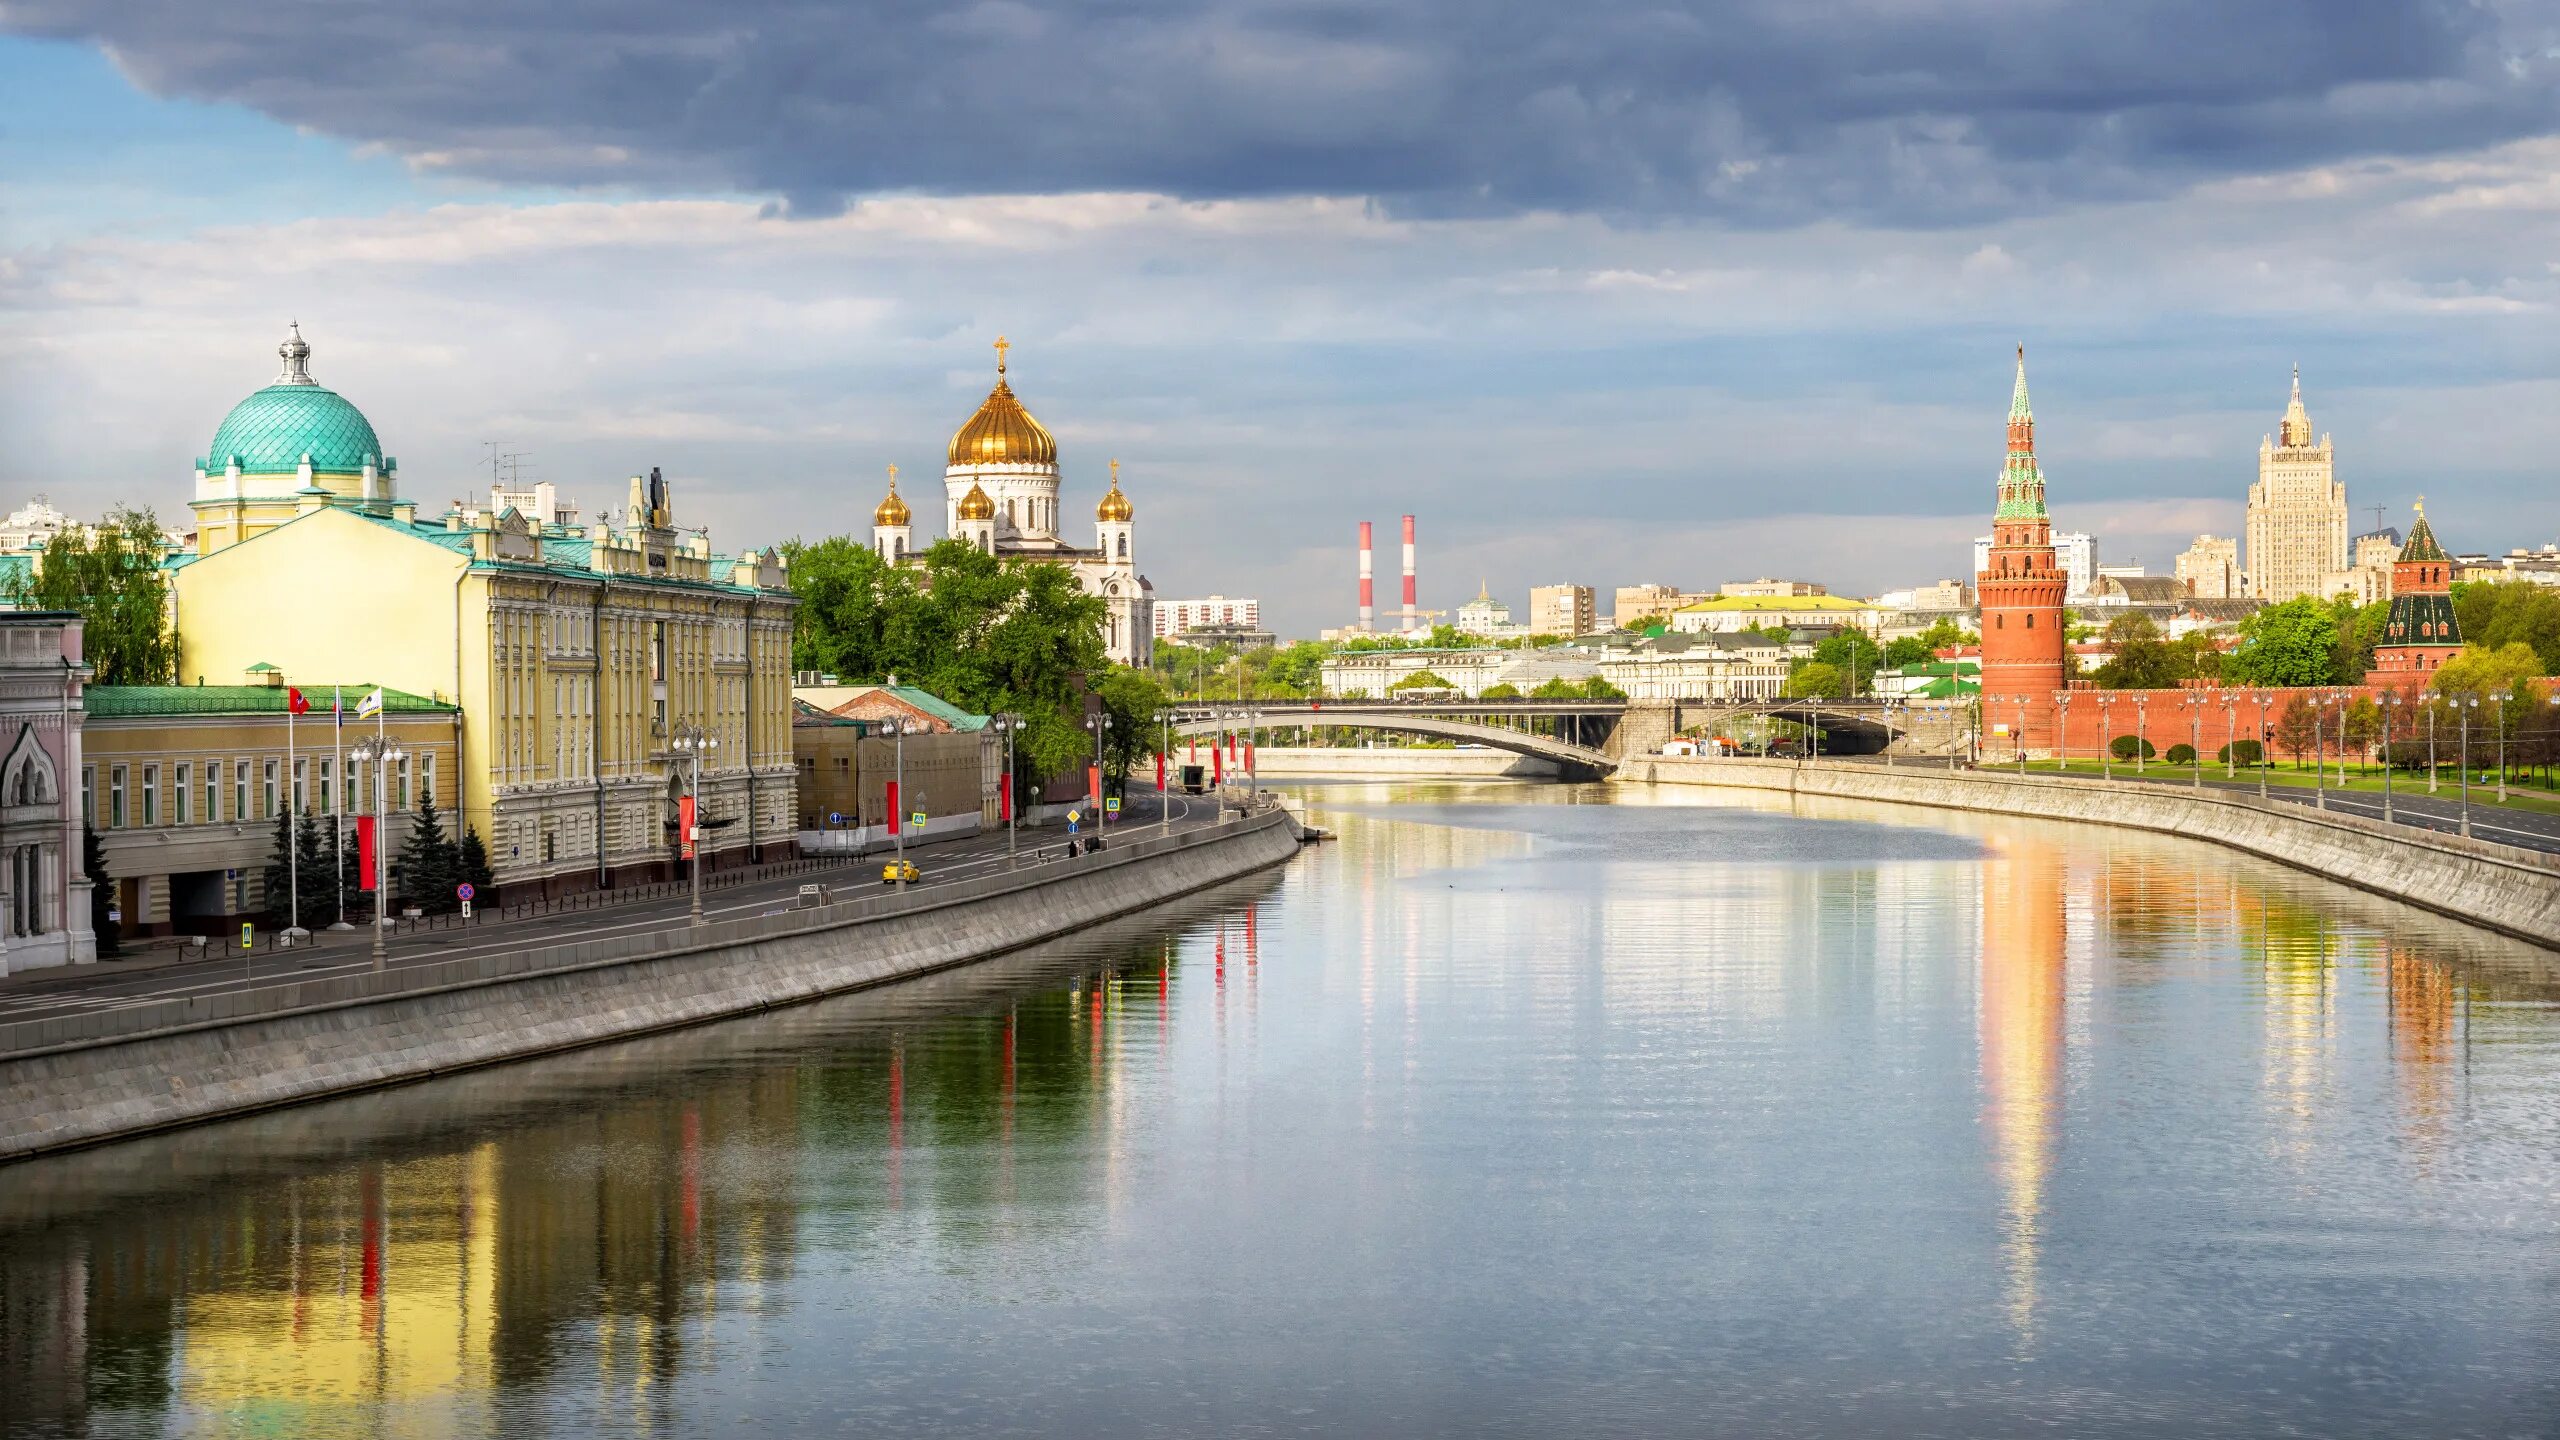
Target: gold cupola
{"x": 893, "y": 510}
{"x": 1002, "y": 432}
{"x": 1115, "y": 507}
{"x": 976, "y": 506}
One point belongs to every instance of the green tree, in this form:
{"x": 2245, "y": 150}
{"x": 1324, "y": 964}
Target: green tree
{"x": 1132, "y": 698}
{"x": 847, "y": 593}
{"x": 2482, "y": 671}
{"x": 2359, "y": 631}
{"x": 1296, "y": 669}
{"x": 1854, "y": 654}
{"x": 319, "y": 894}
{"x": 2292, "y": 644}
{"x": 1599, "y": 688}
{"x": 1503, "y": 690}
{"x": 2297, "y": 729}
{"x": 279, "y": 876}
{"x": 2242, "y": 752}
{"x": 1816, "y": 679}
{"x": 102, "y": 893}
{"x": 2125, "y": 747}
{"x": 2361, "y": 724}
{"x": 2498, "y": 613}
{"x": 429, "y": 862}
{"x": 1421, "y": 680}
{"x": 471, "y": 861}
{"x": 2142, "y": 659}
{"x": 110, "y": 576}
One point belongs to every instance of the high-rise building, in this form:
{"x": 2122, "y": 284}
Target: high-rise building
{"x": 2022, "y": 592}
{"x": 1181, "y": 617}
{"x": 2210, "y": 568}
{"x": 1562, "y": 610}
{"x": 2297, "y": 510}
{"x": 2422, "y": 633}
{"x": 1633, "y": 605}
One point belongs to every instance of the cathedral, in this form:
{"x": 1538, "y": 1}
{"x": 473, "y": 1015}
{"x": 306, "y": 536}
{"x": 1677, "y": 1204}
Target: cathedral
{"x": 1000, "y": 494}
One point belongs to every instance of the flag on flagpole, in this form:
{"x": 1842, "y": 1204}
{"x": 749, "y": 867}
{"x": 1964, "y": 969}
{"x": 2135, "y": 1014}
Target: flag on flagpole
{"x": 294, "y": 704}
{"x": 338, "y": 706}
{"x": 371, "y": 704}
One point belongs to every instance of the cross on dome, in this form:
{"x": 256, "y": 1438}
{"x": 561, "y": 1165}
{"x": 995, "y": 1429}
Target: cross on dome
{"x": 296, "y": 353}
{"x": 1002, "y": 345}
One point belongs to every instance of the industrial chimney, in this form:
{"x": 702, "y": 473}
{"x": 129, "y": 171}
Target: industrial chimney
{"x": 1368, "y": 596}
{"x": 1410, "y": 607}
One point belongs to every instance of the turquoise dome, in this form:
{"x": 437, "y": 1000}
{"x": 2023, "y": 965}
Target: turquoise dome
{"x": 272, "y": 430}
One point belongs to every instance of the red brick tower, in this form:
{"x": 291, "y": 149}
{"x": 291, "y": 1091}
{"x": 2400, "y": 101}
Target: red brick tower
{"x": 2422, "y": 632}
{"x": 2022, "y": 635}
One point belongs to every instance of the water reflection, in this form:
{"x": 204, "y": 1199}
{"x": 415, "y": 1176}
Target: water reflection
{"x": 1509, "y": 1112}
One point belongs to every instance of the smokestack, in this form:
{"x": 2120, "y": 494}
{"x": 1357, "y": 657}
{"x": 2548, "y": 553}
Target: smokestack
{"x": 1409, "y": 606}
{"x": 1368, "y": 595}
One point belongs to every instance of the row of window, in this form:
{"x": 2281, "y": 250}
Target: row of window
{"x": 151, "y": 794}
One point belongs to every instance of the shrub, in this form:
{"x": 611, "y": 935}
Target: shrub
{"x": 2124, "y": 746}
{"x": 2240, "y": 752}
{"x": 2182, "y": 754}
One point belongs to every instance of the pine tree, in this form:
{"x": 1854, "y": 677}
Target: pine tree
{"x": 319, "y": 902}
{"x": 473, "y": 863}
{"x": 428, "y": 863}
{"x": 102, "y": 893}
{"x": 279, "y": 877}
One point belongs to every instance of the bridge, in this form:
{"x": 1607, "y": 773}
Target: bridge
{"x": 1443, "y": 720}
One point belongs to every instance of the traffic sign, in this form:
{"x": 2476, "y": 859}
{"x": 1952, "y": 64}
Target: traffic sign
{"x": 1074, "y": 815}
{"x": 466, "y": 909}
{"x": 1071, "y": 822}
{"x": 835, "y": 817}
{"x": 916, "y": 819}
{"x": 464, "y": 891}
{"x": 1112, "y": 805}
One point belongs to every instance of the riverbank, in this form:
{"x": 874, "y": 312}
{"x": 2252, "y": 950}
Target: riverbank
{"x": 102, "y": 1075}
{"x": 2497, "y": 887}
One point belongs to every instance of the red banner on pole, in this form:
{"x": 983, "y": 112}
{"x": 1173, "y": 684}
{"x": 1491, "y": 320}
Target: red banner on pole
{"x": 1248, "y": 756}
{"x": 364, "y": 853}
{"x": 1195, "y": 749}
{"x": 684, "y": 826}
{"x": 1217, "y": 766}
{"x": 1004, "y": 797}
{"x": 893, "y": 807}
{"x": 1159, "y": 772}
{"x": 1093, "y": 787}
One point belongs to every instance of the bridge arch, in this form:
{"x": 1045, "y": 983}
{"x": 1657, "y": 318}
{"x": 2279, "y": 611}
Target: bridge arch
{"x": 1577, "y": 761}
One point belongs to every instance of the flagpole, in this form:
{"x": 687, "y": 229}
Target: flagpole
{"x": 337, "y": 806}
{"x": 292, "y": 835}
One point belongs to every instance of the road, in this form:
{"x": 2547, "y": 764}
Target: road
{"x": 2411, "y": 805}
{"x": 41, "y": 994}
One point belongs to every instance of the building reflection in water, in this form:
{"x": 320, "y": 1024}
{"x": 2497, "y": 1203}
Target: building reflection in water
{"x": 2021, "y": 1037}
{"x": 2429, "y": 1011}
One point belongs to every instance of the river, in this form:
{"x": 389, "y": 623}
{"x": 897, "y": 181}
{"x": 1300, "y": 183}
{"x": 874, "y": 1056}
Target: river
{"x": 1515, "y": 1110}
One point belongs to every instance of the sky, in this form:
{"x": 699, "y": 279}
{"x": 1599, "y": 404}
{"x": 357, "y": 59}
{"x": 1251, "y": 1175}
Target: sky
{"x": 1610, "y": 293}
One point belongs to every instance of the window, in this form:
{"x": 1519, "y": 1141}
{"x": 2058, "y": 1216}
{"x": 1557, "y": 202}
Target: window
{"x": 301, "y": 784}
{"x": 267, "y": 810}
{"x": 408, "y": 766}
{"x": 213, "y": 793}
{"x": 427, "y": 775}
{"x": 89, "y": 795}
{"x": 150, "y": 795}
{"x": 240, "y": 790}
{"x": 115, "y": 798}
{"x": 328, "y": 786}
{"x": 183, "y": 792}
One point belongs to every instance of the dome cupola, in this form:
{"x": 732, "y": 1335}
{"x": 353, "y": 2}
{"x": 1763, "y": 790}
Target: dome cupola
{"x": 976, "y": 506}
{"x": 294, "y": 418}
{"x": 1002, "y": 432}
{"x": 1115, "y": 507}
{"x": 893, "y": 510}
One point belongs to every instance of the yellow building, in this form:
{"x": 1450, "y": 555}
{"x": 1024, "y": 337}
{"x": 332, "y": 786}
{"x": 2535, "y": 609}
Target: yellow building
{"x": 184, "y": 784}
{"x": 576, "y": 655}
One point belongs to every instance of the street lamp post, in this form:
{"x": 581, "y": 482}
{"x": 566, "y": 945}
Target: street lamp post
{"x": 692, "y": 741}
{"x": 2463, "y": 705}
{"x": 2264, "y": 700}
{"x": 2141, "y": 734}
{"x": 2062, "y": 730}
{"x": 2195, "y": 739}
{"x": 2501, "y": 699}
{"x": 2018, "y": 741}
{"x": 2230, "y": 747}
{"x": 2390, "y": 703}
{"x": 897, "y": 732}
{"x": 2431, "y": 749}
{"x": 2106, "y": 742}
{"x": 1100, "y": 725}
{"x": 1007, "y": 726}
{"x": 2319, "y": 756}
{"x": 1164, "y": 763}
{"x": 381, "y": 752}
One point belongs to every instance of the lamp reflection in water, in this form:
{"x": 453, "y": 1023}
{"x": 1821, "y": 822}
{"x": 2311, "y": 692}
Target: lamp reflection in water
{"x": 2021, "y": 1039}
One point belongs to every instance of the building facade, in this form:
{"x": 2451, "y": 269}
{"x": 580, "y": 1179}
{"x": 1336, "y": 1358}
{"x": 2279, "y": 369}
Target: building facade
{"x": 2422, "y": 632}
{"x": 44, "y": 883}
{"x": 1181, "y": 617}
{"x": 2297, "y": 510}
{"x": 1001, "y": 493}
{"x": 1485, "y": 616}
{"x": 1566, "y": 610}
{"x": 1767, "y": 586}
{"x": 576, "y": 656}
{"x": 1728, "y": 613}
{"x": 1716, "y": 667}
{"x": 2210, "y": 568}
{"x": 185, "y": 784}
{"x": 2022, "y": 590}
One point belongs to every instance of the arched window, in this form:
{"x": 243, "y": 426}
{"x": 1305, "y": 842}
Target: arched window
{"x": 1124, "y": 547}
{"x": 2031, "y": 620}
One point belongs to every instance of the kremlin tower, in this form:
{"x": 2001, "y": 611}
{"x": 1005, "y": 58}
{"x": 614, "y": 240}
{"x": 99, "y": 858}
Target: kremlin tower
{"x": 2022, "y": 630}
{"x": 2422, "y": 633}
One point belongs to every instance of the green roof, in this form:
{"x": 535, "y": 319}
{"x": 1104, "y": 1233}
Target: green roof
{"x": 114, "y": 701}
{"x": 1730, "y": 603}
{"x": 2422, "y": 542}
{"x": 272, "y": 430}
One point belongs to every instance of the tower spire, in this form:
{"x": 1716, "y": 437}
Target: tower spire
{"x": 2021, "y": 482}
{"x": 2296, "y": 430}
{"x": 296, "y": 353}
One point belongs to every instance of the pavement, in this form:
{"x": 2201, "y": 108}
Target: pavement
{"x": 2410, "y": 805}
{"x": 155, "y": 975}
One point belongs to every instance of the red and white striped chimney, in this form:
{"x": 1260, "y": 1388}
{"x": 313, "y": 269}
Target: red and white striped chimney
{"x": 1368, "y": 595}
{"x": 1409, "y": 606}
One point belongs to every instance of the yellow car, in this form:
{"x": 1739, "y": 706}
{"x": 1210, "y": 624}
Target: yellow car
{"x": 897, "y": 870}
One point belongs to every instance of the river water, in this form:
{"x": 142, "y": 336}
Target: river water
{"x": 1515, "y": 1111}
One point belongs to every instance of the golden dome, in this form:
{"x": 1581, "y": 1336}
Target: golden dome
{"x": 976, "y": 506}
{"x": 1002, "y": 432}
{"x": 892, "y": 511}
{"x": 1115, "y": 506}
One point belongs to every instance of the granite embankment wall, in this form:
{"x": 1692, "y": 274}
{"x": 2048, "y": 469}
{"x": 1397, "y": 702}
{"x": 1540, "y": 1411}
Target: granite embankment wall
{"x": 2498, "y": 887}
{"x": 1364, "y": 762}
{"x": 90, "y": 1077}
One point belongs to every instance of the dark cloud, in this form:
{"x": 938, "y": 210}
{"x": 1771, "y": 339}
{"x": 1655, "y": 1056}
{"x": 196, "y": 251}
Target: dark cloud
{"x": 1757, "y": 111}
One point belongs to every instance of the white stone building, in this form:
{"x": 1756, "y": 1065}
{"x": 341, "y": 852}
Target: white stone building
{"x": 44, "y": 892}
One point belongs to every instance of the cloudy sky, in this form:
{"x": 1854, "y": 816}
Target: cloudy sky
{"x": 1610, "y": 292}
